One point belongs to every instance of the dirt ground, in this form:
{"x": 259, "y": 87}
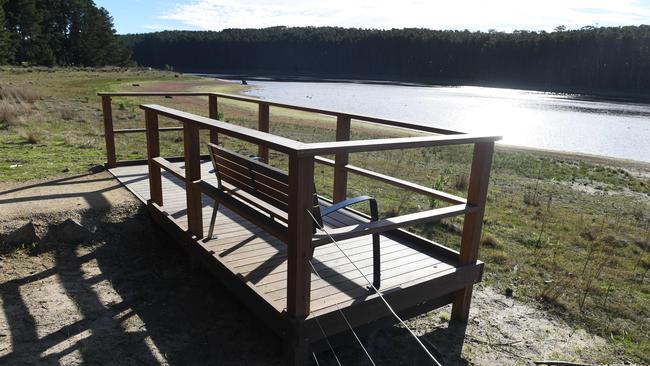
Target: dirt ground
{"x": 130, "y": 297}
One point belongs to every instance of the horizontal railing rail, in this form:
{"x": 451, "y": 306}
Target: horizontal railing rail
{"x": 354, "y": 116}
{"x": 274, "y": 142}
{"x": 414, "y": 187}
{"x": 287, "y": 145}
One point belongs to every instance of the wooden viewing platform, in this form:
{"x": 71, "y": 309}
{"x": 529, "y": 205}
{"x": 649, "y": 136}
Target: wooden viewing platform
{"x": 267, "y": 262}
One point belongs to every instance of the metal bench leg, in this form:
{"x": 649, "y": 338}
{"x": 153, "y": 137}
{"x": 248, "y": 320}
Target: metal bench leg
{"x": 213, "y": 220}
{"x": 376, "y": 262}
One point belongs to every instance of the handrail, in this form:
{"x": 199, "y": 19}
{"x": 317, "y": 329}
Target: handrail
{"x": 152, "y": 94}
{"x": 354, "y": 116}
{"x": 393, "y": 223}
{"x": 329, "y": 148}
{"x": 286, "y": 145}
{"x": 414, "y": 187}
{"x": 274, "y": 142}
{"x": 137, "y": 130}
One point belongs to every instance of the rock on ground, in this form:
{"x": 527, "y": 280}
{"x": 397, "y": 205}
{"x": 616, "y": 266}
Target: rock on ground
{"x": 23, "y": 235}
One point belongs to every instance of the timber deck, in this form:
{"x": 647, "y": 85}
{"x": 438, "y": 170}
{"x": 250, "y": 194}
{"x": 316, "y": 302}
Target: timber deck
{"x": 412, "y": 268}
{"x": 266, "y": 262}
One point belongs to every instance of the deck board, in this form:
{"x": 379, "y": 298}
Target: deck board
{"x": 260, "y": 259}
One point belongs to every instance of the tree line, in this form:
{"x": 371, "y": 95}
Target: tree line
{"x": 604, "y": 59}
{"x": 58, "y": 32}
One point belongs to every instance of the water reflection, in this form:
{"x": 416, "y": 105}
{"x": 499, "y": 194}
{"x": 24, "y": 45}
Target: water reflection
{"x": 524, "y": 118}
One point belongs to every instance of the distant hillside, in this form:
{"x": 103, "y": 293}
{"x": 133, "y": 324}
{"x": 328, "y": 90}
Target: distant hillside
{"x": 613, "y": 59}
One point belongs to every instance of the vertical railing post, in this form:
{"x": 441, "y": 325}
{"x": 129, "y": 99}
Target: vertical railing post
{"x": 300, "y": 224}
{"x": 469, "y": 247}
{"x": 214, "y": 114}
{"x": 153, "y": 151}
{"x": 340, "y": 191}
{"x": 191, "y": 140}
{"x": 263, "y": 125}
{"x": 109, "y": 135}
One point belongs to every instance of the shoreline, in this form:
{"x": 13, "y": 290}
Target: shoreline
{"x": 574, "y": 94}
{"x": 639, "y": 165}
{"x": 636, "y": 165}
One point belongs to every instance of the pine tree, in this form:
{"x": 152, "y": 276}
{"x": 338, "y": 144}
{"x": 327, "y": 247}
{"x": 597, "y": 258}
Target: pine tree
{"x": 62, "y": 32}
{"x": 6, "y": 49}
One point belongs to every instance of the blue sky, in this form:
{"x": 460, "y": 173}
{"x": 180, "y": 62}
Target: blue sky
{"x": 138, "y": 16}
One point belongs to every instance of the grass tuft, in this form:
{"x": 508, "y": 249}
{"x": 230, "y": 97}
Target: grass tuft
{"x": 29, "y": 137}
{"x": 9, "y": 113}
{"x": 19, "y": 94}
{"x": 461, "y": 182}
{"x": 67, "y": 114}
{"x": 489, "y": 240}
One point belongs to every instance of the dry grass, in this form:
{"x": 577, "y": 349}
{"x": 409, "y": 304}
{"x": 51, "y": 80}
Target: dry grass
{"x": 19, "y": 94}
{"x": 461, "y": 182}
{"x": 9, "y": 113}
{"x": 67, "y": 114}
{"x": 489, "y": 240}
{"x": 499, "y": 257}
{"x": 31, "y": 137}
{"x": 14, "y": 104}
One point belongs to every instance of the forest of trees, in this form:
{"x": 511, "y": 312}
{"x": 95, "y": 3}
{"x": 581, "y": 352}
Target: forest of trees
{"x": 610, "y": 60}
{"x": 606, "y": 59}
{"x": 58, "y": 32}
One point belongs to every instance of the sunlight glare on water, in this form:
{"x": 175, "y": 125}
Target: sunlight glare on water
{"x": 523, "y": 118}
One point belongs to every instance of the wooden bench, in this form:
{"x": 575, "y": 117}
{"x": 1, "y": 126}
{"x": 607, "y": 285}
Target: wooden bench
{"x": 259, "y": 193}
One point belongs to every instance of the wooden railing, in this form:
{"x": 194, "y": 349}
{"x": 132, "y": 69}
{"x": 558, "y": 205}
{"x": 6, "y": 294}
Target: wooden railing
{"x": 343, "y": 127}
{"x": 302, "y": 158}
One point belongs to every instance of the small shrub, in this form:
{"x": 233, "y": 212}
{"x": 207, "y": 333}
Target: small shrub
{"x": 9, "y": 113}
{"x": 31, "y": 138}
{"x": 490, "y": 240}
{"x": 88, "y": 144}
{"x": 444, "y": 316}
{"x": 499, "y": 257}
{"x": 509, "y": 292}
{"x": 531, "y": 198}
{"x": 588, "y": 234}
{"x": 67, "y": 114}
{"x": 461, "y": 182}
{"x": 440, "y": 183}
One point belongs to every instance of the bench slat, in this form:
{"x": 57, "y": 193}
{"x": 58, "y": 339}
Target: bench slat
{"x": 257, "y": 166}
{"x": 255, "y": 192}
{"x": 254, "y": 184}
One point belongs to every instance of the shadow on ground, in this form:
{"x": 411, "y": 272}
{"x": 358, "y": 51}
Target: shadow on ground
{"x": 131, "y": 297}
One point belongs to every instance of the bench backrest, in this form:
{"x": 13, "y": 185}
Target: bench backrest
{"x": 264, "y": 182}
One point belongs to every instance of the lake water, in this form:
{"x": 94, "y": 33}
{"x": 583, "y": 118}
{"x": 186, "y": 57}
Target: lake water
{"x": 523, "y": 118}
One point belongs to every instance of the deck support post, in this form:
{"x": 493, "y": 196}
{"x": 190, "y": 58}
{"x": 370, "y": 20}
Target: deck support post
{"x": 296, "y": 348}
{"x": 341, "y": 160}
{"x": 153, "y": 151}
{"x": 263, "y": 125}
{"x": 192, "y": 144}
{"x": 300, "y": 225}
{"x": 213, "y": 111}
{"x": 469, "y": 247}
{"x": 109, "y": 135}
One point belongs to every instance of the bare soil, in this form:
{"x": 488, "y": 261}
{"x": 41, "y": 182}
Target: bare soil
{"x": 131, "y": 297}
